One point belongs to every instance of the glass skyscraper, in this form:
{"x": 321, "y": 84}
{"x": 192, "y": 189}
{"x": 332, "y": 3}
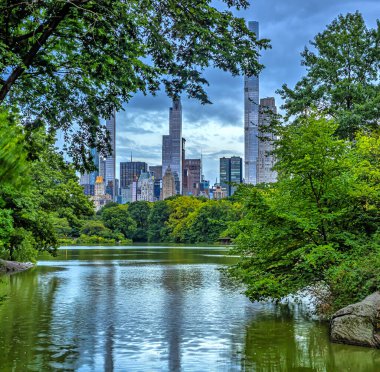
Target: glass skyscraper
{"x": 251, "y": 120}
{"x": 172, "y": 145}
{"x": 266, "y": 160}
{"x": 130, "y": 171}
{"x": 110, "y": 162}
{"x": 230, "y": 173}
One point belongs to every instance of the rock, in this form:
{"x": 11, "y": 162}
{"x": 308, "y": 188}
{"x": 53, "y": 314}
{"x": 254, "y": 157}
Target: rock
{"x": 11, "y": 267}
{"x": 358, "y": 324}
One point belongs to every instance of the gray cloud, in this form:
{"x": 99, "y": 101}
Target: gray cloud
{"x": 290, "y": 25}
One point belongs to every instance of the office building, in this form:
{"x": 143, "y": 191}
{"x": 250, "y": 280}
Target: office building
{"x": 266, "y": 160}
{"x": 191, "y": 176}
{"x": 204, "y": 188}
{"x": 168, "y": 184}
{"x": 230, "y": 173}
{"x": 157, "y": 171}
{"x": 100, "y": 197}
{"x": 110, "y": 160}
{"x": 146, "y": 187}
{"x": 130, "y": 171}
{"x": 225, "y": 173}
{"x": 236, "y": 173}
{"x": 172, "y": 145}
{"x": 218, "y": 192}
{"x": 251, "y": 120}
{"x": 88, "y": 179}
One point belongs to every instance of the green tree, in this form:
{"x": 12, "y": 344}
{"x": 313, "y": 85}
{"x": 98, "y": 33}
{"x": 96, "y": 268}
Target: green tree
{"x": 96, "y": 228}
{"x": 49, "y": 191}
{"x": 210, "y": 220}
{"x": 316, "y": 226}
{"x": 180, "y": 208}
{"x": 13, "y": 155}
{"x": 119, "y": 220}
{"x": 140, "y": 211}
{"x": 342, "y": 76}
{"x": 67, "y": 62}
{"x": 157, "y": 219}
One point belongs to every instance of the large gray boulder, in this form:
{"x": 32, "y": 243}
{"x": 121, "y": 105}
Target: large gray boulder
{"x": 358, "y": 324}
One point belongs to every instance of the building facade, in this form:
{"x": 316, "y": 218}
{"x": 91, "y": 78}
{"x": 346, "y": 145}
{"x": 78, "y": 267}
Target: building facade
{"x": 251, "y": 120}
{"x": 110, "y": 160}
{"x": 100, "y": 198}
{"x": 236, "y": 173}
{"x": 157, "y": 171}
{"x": 130, "y": 171}
{"x": 172, "y": 145}
{"x": 231, "y": 173}
{"x": 146, "y": 187}
{"x": 266, "y": 160}
{"x": 225, "y": 173}
{"x": 87, "y": 180}
{"x": 191, "y": 176}
{"x": 168, "y": 184}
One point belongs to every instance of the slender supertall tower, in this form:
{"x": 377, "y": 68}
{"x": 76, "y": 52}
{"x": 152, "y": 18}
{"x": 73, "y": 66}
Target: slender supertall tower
{"x": 251, "y": 120}
{"x": 266, "y": 159}
{"x": 110, "y": 162}
{"x": 172, "y": 145}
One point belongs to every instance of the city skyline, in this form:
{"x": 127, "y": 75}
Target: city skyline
{"x": 141, "y": 126}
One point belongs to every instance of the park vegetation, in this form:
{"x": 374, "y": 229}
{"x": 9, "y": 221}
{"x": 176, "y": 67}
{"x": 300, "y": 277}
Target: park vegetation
{"x": 179, "y": 219}
{"x": 318, "y": 228}
{"x": 65, "y": 64}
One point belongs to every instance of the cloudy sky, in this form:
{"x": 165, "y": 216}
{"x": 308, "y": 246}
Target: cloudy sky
{"x": 217, "y": 129}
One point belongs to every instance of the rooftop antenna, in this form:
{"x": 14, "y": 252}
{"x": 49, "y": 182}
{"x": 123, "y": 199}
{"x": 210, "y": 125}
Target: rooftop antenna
{"x": 131, "y": 156}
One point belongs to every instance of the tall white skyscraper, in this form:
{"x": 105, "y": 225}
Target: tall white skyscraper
{"x": 110, "y": 161}
{"x": 251, "y": 120}
{"x": 172, "y": 145}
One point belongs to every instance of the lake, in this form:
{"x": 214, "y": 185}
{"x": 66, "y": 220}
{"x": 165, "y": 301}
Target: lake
{"x": 156, "y": 308}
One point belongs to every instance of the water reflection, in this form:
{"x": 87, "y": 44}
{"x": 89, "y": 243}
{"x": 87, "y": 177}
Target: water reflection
{"x": 155, "y": 308}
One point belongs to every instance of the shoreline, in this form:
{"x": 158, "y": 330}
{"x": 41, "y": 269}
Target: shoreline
{"x": 13, "y": 267}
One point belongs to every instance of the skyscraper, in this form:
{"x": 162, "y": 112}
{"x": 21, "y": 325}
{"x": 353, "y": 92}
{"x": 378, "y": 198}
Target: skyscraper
{"x": 224, "y": 173}
{"x": 87, "y": 180}
{"x": 168, "y": 184}
{"x": 172, "y": 145}
{"x": 191, "y": 176}
{"x": 110, "y": 161}
{"x": 236, "y": 172}
{"x": 266, "y": 160}
{"x": 130, "y": 171}
{"x": 251, "y": 120}
{"x": 230, "y": 172}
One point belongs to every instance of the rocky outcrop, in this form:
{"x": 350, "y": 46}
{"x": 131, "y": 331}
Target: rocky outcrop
{"x": 358, "y": 324}
{"x": 11, "y": 267}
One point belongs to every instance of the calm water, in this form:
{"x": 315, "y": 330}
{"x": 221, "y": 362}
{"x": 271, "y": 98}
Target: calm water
{"x": 155, "y": 309}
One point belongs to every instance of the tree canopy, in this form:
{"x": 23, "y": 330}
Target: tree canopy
{"x": 342, "y": 76}
{"x": 318, "y": 226}
{"x": 37, "y": 193}
{"x": 66, "y": 62}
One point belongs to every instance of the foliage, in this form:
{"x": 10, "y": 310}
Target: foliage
{"x": 342, "y": 76}
{"x": 157, "y": 219}
{"x": 50, "y": 195}
{"x": 320, "y": 219}
{"x": 95, "y": 228}
{"x": 140, "y": 211}
{"x": 12, "y": 153}
{"x": 119, "y": 220}
{"x": 75, "y": 61}
{"x": 207, "y": 223}
{"x": 180, "y": 209}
